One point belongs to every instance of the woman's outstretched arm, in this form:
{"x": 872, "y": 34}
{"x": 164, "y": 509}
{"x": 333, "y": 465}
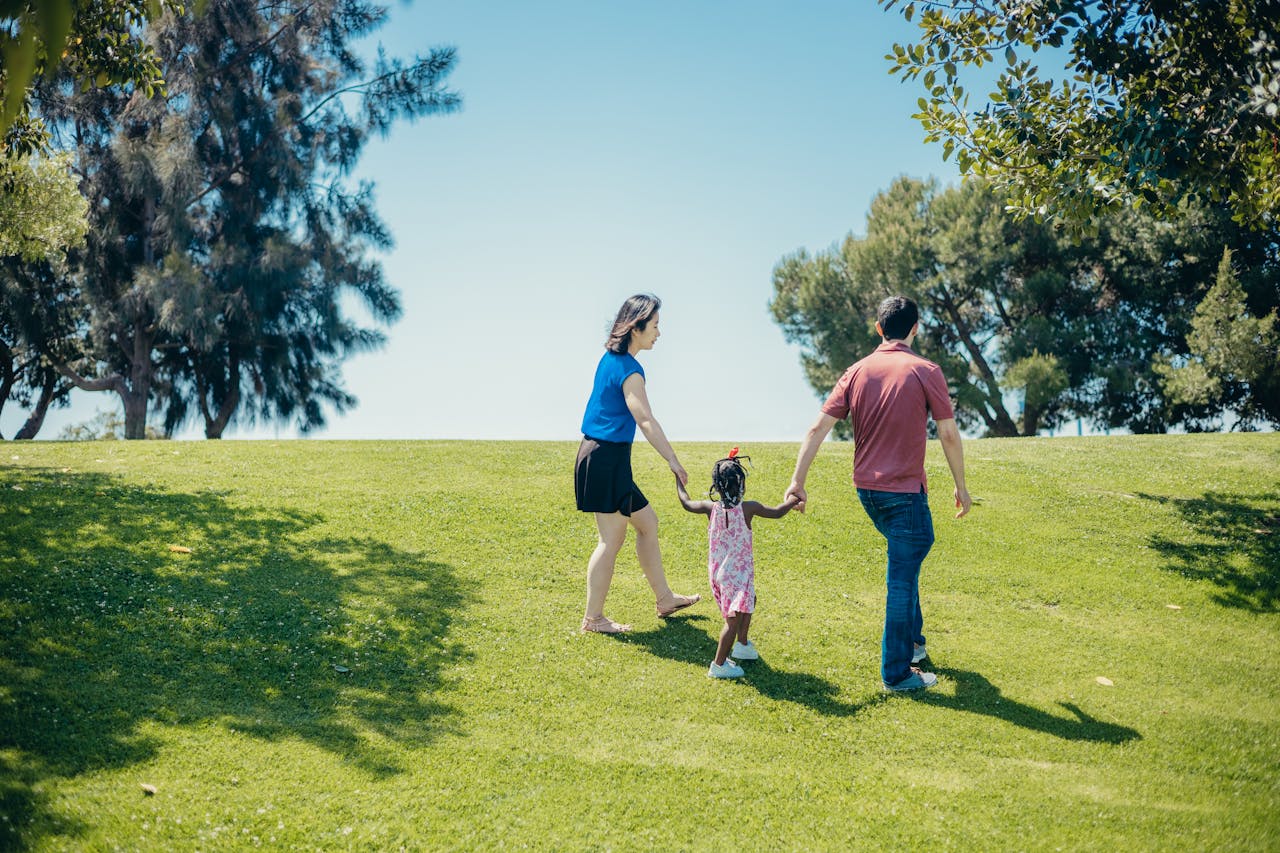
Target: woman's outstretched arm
{"x": 638, "y": 403}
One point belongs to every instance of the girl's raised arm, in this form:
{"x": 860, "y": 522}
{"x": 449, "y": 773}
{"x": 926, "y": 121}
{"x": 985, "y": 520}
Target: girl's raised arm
{"x": 699, "y": 507}
{"x": 753, "y": 509}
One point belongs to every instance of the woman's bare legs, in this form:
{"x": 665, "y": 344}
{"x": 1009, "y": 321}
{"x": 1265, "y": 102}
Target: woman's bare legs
{"x": 649, "y": 554}
{"x": 612, "y": 528}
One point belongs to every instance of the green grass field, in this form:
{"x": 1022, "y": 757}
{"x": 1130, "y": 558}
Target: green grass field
{"x": 375, "y": 645}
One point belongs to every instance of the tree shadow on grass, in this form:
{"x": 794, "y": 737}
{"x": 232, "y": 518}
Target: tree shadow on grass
{"x": 105, "y": 632}
{"x": 684, "y": 640}
{"x": 977, "y": 695}
{"x": 1234, "y": 541}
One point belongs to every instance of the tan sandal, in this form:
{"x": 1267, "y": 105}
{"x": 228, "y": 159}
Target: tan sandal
{"x": 603, "y": 625}
{"x": 682, "y": 601}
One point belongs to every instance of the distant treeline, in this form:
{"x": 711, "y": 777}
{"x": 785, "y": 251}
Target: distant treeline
{"x": 1145, "y": 324}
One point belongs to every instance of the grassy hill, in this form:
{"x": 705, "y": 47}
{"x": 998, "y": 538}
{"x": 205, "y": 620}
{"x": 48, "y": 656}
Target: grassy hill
{"x": 372, "y": 645}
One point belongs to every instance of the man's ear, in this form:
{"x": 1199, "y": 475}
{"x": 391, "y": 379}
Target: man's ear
{"x": 879, "y": 331}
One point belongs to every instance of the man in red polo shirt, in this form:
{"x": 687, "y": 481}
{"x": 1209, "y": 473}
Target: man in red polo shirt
{"x": 888, "y": 397}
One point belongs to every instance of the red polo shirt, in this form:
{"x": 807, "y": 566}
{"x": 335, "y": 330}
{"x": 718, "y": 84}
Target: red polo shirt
{"x": 888, "y": 397}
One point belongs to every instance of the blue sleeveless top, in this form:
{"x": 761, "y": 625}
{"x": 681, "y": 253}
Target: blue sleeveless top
{"x": 607, "y": 417}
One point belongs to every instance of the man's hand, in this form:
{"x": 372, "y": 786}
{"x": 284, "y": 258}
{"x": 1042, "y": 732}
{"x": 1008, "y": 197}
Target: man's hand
{"x": 797, "y": 493}
{"x": 963, "y": 501}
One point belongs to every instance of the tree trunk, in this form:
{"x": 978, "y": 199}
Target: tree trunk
{"x": 214, "y": 425}
{"x": 47, "y": 395}
{"x": 139, "y": 387}
{"x": 1030, "y": 421}
{"x": 7, "y": 375}
{"x": 1000, "y": 423}
{"x": 115, "y": 382}
{"x": 133, "y": 391}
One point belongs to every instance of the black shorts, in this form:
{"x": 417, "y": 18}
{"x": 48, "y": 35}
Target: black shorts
{"x": 602, "y": 478}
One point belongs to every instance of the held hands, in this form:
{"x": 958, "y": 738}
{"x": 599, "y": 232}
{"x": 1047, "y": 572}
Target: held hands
{"x": 963, "y": 501}
{"x": 796, "y": 496}
{"x": 682, "y": 476}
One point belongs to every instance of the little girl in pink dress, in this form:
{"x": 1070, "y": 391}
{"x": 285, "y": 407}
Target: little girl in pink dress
{"x": 731, "y": 561}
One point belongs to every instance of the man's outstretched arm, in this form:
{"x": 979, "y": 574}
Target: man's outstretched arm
{"x": 808, "y": 449}
{"x": 949, "y": 435}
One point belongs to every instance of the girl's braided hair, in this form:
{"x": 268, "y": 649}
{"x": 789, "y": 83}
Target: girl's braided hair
{"x": 729, "y": 480}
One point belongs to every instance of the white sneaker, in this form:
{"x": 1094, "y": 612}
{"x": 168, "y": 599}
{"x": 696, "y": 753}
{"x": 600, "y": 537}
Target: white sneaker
{"x": 918, "y": 653}
{"x": 745, "y": 651}
{"x": 728, "y": 669}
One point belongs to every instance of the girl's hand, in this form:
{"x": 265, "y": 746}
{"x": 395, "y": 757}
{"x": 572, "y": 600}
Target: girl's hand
{"x": 682, "y": 476}
{"x": 796, "y": 493}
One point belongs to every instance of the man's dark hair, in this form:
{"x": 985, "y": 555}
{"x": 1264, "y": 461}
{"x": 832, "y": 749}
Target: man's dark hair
{"x": 896, "y": 315}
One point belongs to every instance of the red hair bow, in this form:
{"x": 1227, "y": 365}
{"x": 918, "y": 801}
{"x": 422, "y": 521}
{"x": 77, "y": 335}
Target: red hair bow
{"x": 733, "y": 453}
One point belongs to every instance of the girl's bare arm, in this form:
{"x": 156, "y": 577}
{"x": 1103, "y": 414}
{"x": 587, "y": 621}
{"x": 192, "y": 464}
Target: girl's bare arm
{"x": 700, "y": 507}
{"x": 752, "y": 509}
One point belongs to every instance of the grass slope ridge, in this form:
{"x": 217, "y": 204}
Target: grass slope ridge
{"x": 374, "y": 644}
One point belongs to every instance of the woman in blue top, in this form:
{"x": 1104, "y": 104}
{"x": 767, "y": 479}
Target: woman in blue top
{"x": 602, "y": 477}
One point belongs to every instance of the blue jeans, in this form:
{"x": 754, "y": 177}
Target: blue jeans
{"x": 907, "y": 526}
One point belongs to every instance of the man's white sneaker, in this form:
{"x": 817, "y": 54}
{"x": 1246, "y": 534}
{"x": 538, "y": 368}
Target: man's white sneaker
{"x": 745, "y": 651}
{"x": 728, "y": 669}
{"x": 918, "y": 652}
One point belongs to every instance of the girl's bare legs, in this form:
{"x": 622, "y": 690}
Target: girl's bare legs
{"x": 649, "y": 554}
{"x": 744, "y": 625}
{"x": 612, "y": 528}
{"x": 727, "y": 634}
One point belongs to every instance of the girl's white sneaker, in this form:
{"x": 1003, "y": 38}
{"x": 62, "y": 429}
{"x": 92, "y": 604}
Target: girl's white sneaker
{"x": 728, "y": 669}
{"x": 745, "y": 651}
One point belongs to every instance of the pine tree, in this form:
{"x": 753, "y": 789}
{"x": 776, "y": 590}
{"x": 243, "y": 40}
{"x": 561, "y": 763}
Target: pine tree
{"x": 1228, "y": 352}
{"x": 225, "y": 226}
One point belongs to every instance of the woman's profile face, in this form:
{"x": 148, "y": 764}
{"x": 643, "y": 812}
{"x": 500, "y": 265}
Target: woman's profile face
{"x": 645, "y": 339}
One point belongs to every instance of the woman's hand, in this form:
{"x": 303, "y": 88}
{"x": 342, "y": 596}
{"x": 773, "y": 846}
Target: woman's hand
{"x": 681, "y": 475}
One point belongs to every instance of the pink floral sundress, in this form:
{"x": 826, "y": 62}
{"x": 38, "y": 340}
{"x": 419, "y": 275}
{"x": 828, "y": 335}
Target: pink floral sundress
{"x": 731, "y": 561}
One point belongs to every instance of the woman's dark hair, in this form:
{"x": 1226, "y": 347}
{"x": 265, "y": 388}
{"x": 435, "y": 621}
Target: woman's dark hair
{"x": 896, "y": 315}
{"x": 729, "y": 481}
{"x": 634, "y": 314}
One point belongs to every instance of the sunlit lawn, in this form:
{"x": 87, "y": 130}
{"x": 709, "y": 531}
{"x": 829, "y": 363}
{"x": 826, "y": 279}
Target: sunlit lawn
{"x": 375, "y": 645}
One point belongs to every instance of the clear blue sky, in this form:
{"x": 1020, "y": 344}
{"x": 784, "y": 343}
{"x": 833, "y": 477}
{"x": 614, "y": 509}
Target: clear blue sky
{"x": 605, "y": 149}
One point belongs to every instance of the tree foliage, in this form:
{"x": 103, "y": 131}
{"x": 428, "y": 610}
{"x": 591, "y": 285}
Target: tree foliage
{"x": 39, "y": 322}
{"x": 42, "y": 212}
{"x": 226, "y": 230}
{"x": 1031, "y": 326}
{"x": 1230, "y": 351}
{"x": 1157, "y": 102}
{"x": 95, "y": 42}
{"x": 1041, "y": 381}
